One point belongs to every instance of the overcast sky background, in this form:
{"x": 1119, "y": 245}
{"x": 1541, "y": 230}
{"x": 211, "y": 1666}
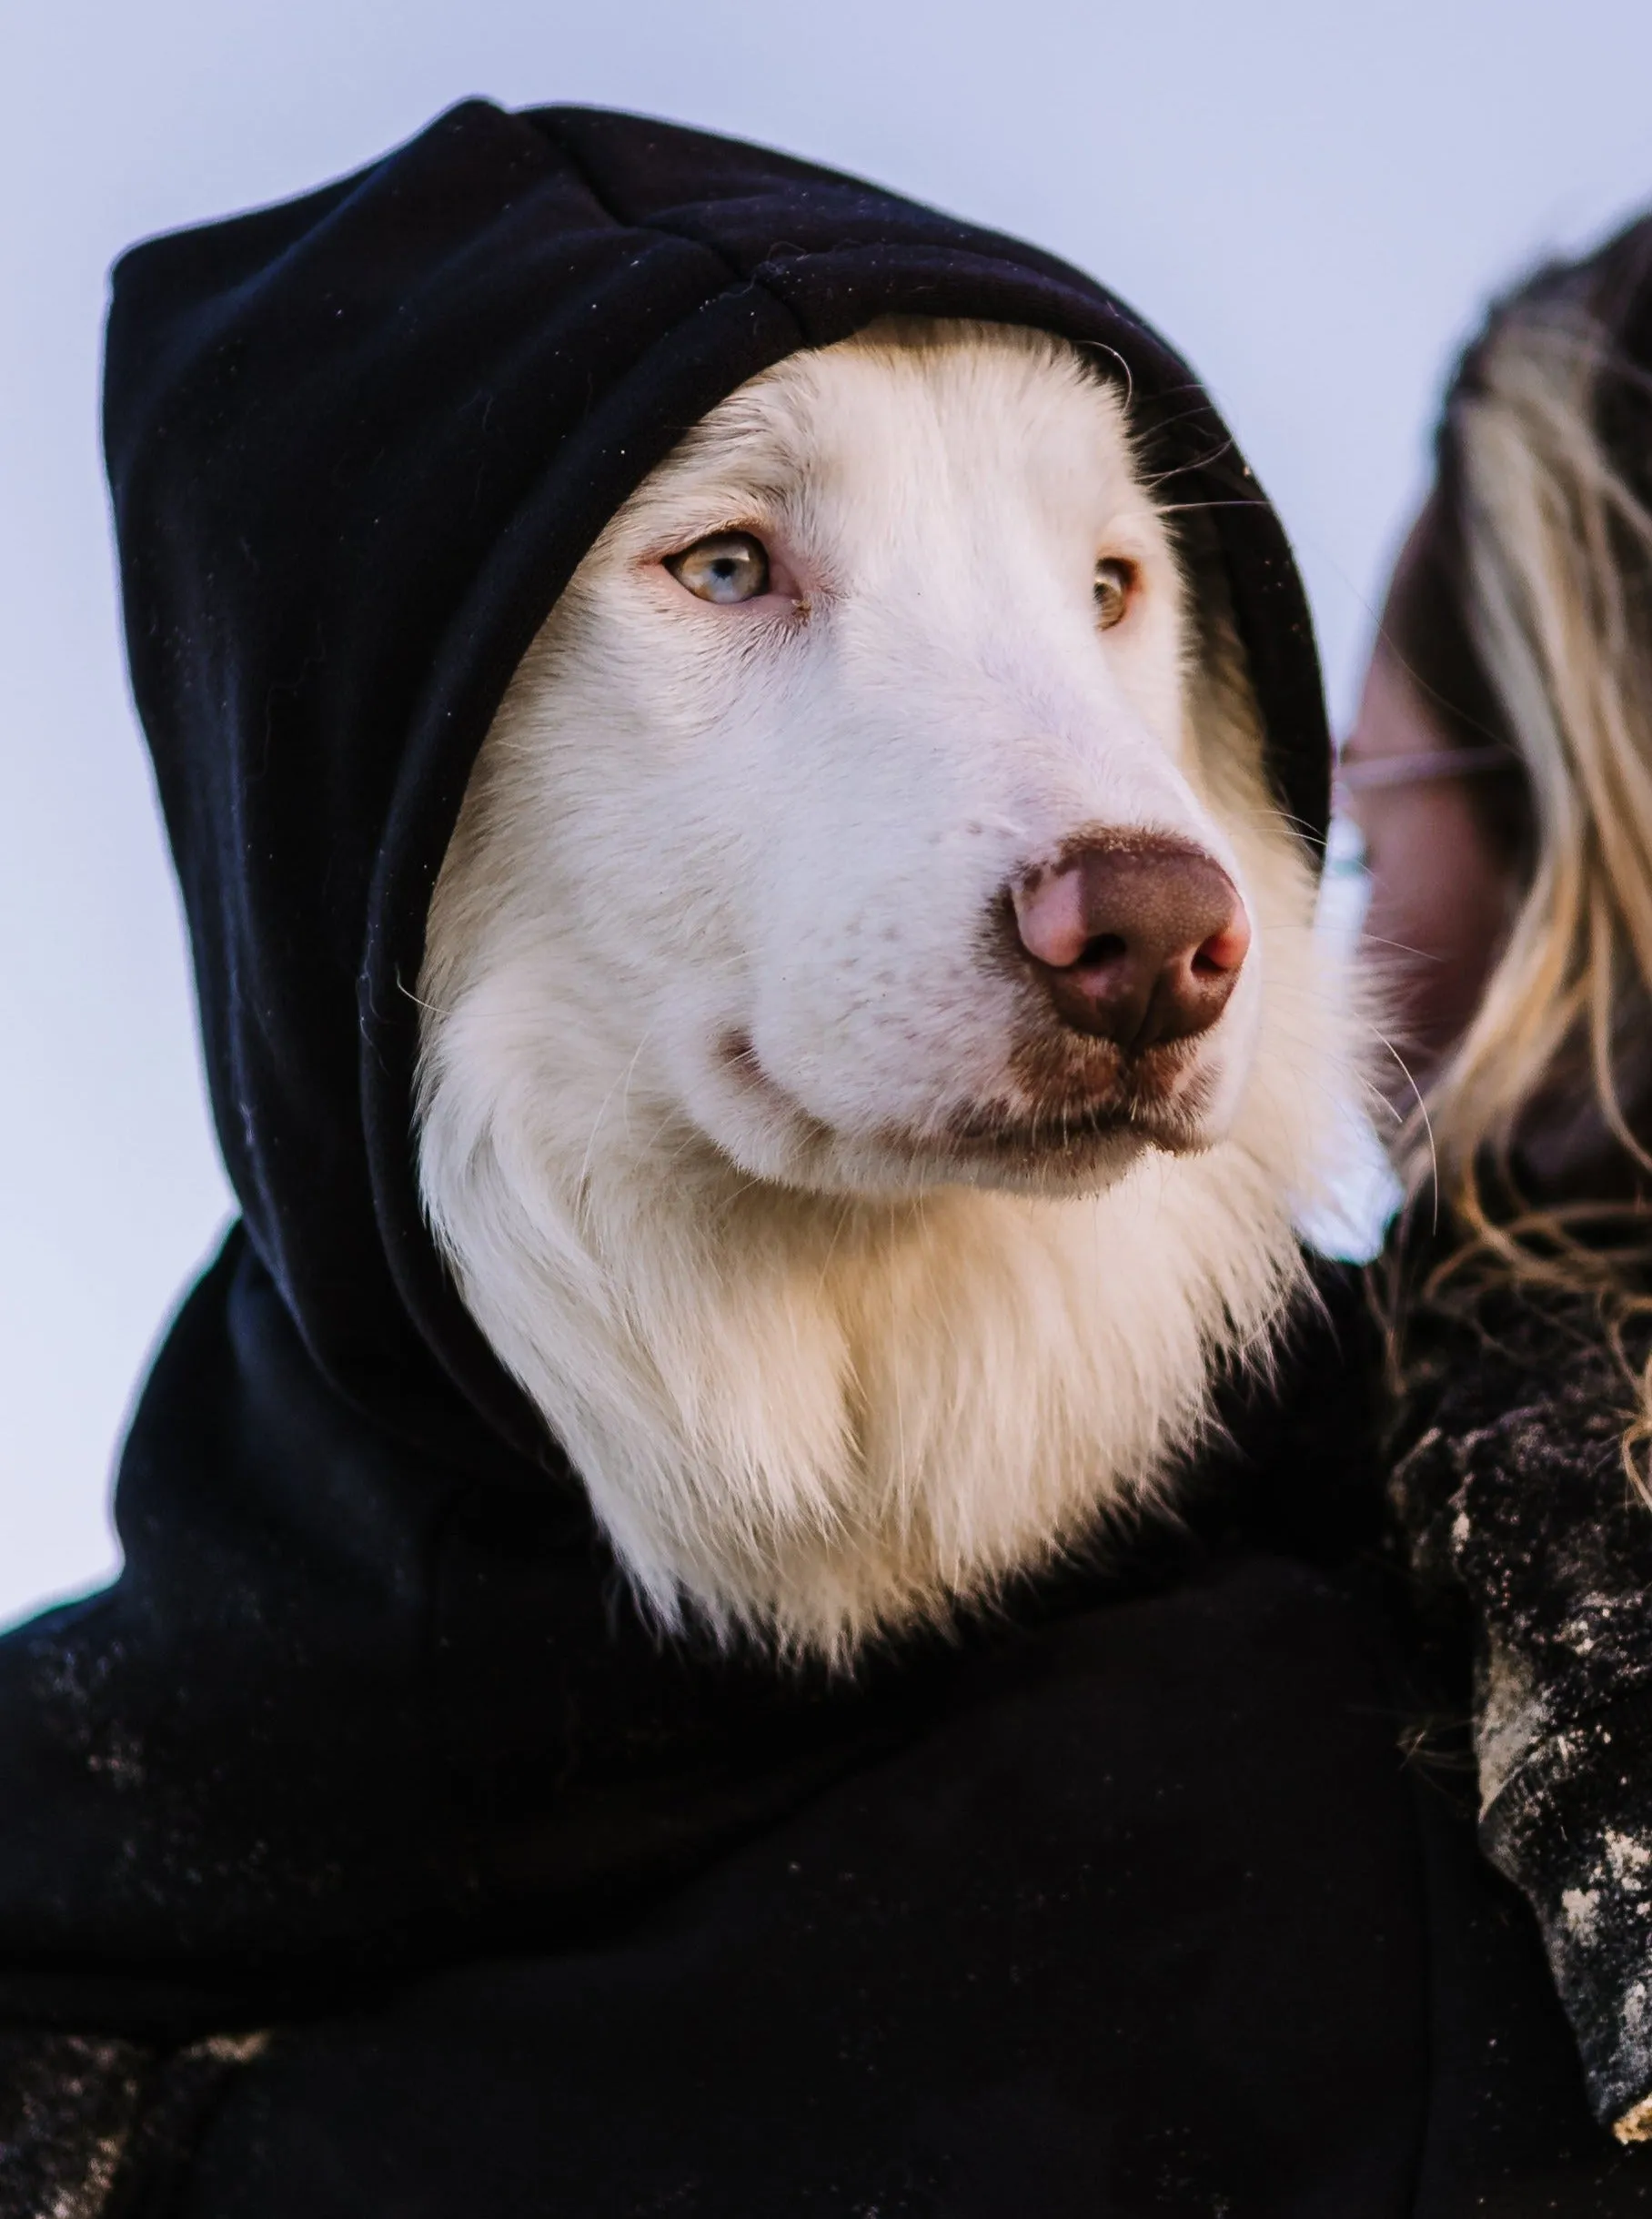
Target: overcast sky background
{"x": 1312, "y": 201}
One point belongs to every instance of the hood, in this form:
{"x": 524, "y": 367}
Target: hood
{"x": 358, "y": 444}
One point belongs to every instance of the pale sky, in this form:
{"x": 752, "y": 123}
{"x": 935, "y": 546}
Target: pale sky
{"x": 1311, "y": 201}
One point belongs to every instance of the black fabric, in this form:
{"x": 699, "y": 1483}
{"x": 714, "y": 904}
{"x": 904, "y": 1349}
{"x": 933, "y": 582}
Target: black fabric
{"x": 1001, "y": 2016}
{"x": 366, "y": 1643}
{"x": 95, "y": 2128}
{"x": 344, "y": 1708}
{"x": 1116, "y": 1901}
{"x": 1520, "y": 1523}
{"x": 358, "y": 445}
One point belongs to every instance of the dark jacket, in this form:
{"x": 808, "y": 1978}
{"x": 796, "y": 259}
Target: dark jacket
{"x": 1523, "y": 1525}
{"x": 362, "y": 1850}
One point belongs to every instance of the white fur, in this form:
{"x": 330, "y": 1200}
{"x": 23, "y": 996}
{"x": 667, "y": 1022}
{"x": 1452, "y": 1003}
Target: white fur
{"x": 712, "y": 998}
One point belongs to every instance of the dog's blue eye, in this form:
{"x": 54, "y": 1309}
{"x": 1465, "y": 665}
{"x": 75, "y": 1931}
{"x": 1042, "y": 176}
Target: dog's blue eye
{"x": 1114, "y": 584}
{"x": 731, "y": 566}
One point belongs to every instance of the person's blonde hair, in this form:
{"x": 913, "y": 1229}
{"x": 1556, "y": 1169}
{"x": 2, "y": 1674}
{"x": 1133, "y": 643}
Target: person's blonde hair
{"x": 1546, "y": 450}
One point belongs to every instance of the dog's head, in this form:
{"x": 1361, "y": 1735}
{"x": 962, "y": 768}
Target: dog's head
{"x": 856, "y": 779}
{"x": 879, "y": 811}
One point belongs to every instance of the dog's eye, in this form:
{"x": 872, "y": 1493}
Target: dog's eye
{"x": 1114, "y": 584}
{"x": 731, "y": 566}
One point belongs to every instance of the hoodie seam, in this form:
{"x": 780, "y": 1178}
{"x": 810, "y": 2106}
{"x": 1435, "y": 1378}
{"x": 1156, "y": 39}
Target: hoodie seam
{"x": 739, "y": 281}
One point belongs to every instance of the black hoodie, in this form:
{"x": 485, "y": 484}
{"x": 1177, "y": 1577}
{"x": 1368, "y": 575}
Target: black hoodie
{"x": 367, "y": 1742}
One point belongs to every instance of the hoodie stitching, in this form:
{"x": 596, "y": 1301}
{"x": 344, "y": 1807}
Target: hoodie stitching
{"x": 740, "y": 280}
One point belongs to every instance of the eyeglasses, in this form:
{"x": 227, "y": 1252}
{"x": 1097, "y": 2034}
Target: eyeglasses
{"x": 1432, "y": 762}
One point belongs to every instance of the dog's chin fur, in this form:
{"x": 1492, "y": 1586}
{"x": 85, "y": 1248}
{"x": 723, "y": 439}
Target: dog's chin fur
{"x": 825, "y": 1375}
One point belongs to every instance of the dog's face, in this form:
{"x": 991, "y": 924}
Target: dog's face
{"x": 862, "y": 790}
{"x": 871, "y": 1034}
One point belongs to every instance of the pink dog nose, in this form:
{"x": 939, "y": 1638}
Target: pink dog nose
{"x": 1138, "y": 940}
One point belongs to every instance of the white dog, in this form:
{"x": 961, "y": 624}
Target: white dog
{"x": 874, "y": 1036}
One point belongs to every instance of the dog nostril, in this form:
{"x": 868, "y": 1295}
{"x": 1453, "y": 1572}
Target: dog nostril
{"x": 1223, "y": 951}
{"x": 1137, "y": 939}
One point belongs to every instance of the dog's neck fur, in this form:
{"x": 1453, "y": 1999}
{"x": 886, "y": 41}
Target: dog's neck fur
{"x": 817, "y": 1416}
